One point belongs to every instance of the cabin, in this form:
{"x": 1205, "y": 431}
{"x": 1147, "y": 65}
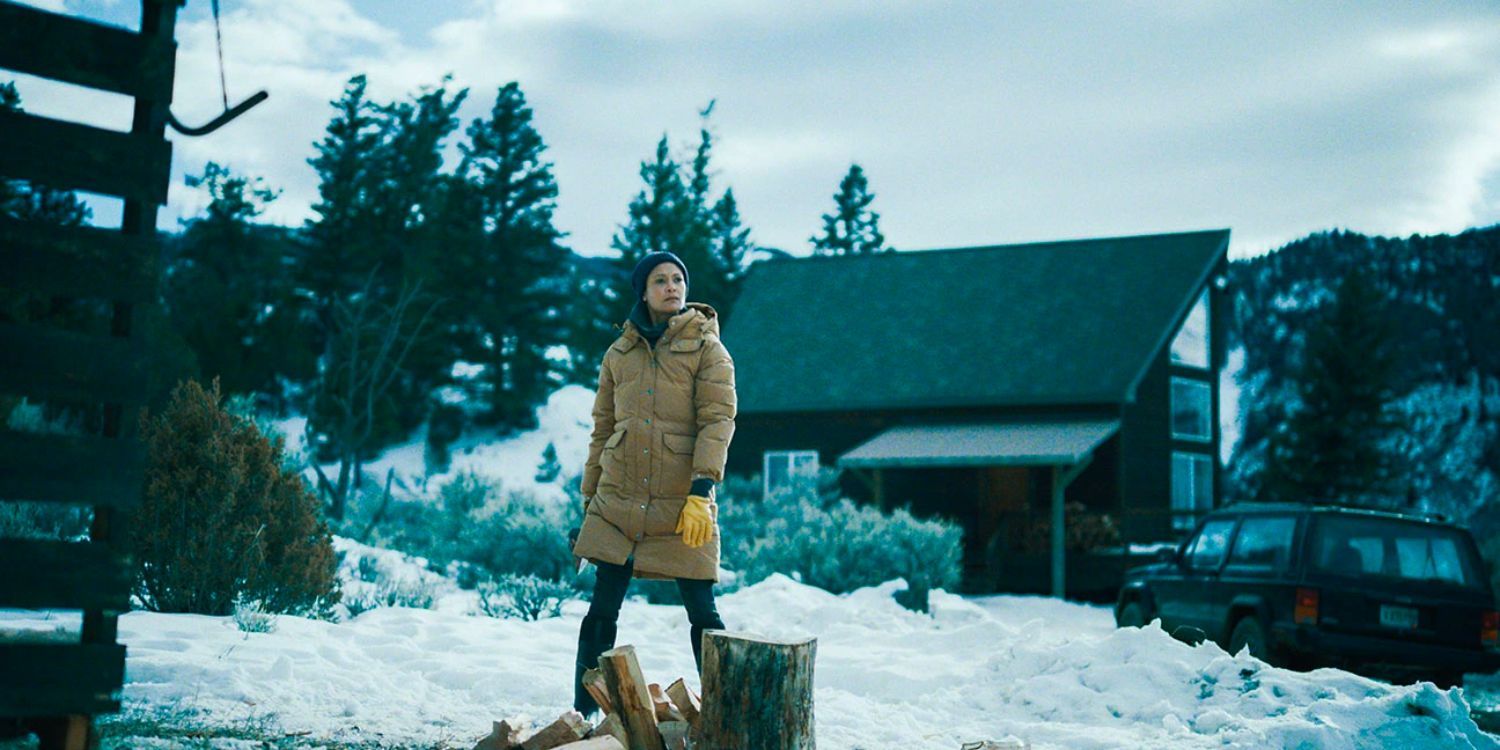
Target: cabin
{"x": 1059, "y": 400}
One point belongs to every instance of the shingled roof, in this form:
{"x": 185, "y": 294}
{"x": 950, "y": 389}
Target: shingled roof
{"x": 1073, "y": 322}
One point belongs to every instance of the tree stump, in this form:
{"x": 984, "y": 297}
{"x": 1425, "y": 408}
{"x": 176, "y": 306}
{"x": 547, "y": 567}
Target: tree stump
{"x": 757, "y": 693}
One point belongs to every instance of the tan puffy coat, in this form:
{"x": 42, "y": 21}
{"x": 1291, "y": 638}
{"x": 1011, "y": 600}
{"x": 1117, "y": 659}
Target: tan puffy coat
{"x": 662, "y": 416}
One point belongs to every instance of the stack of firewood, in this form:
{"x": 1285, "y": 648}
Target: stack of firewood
{"x": 637, "y": 715}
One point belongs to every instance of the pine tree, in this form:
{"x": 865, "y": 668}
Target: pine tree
{"x": 1331, "y": 447}
{"x": 654, "y": 213}
{"x": 227, "y": 291}
{"x": 852, "y": 228}
{"x": 550, "y": 469}
{"x": 676, "y": 212}
{"x": 380, "y": 181}
{"x": 515, "y": 290}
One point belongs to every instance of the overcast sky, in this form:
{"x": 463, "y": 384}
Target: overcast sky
{"x": 977, "y": 123}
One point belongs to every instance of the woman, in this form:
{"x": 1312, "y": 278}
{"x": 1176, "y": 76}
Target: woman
{"x": 663, "y": 419}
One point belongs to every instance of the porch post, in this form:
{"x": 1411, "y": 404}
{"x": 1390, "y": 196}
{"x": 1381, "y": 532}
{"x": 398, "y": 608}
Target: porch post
{"x": 1058, "y": 485}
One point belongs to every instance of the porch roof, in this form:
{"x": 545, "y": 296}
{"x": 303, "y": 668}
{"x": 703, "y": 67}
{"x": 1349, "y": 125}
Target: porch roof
{"x": 1051, "y": 443}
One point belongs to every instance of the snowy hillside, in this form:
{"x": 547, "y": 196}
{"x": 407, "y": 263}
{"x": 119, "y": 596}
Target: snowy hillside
{"x": 1058, "y": 675}
{"x": 564, "y": 421}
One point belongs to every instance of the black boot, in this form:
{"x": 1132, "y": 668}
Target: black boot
{"x": 595, "y": 636}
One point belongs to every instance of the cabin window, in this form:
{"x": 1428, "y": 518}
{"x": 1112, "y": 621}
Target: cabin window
{"x": 1190, "y": 345}
{"x": 1192, "y": 488}
{"x": 783, "y": 468}
{"x": 1192, "y": 416}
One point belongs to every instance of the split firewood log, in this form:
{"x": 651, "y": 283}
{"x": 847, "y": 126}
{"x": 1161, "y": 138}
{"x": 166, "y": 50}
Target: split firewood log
{"x": 665, "y": 711}
{"x": 570, "y": 727}
{"x": 684, "y": 700}
{"x": 611, "y": 726}
{"x": 630, "y": 697}
{"x": 502, "y": 737}
{"x": 593, "y": 681}
{"x": 597, "y": 743}
{"x": 675, "y": 734}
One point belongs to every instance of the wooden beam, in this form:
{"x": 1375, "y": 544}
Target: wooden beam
{"x": 44, "y": 574}
{"x": 1062, "y": 476}
{"x": 77, "y": 262}
{"x": 60, "y": 679}
{"x": 50, "y": 363}
{"x": 71, "y": 469}
{"x": 70, "y": 156}
{"x": 73, "y": 50}
{"x": 1059, "y": 538}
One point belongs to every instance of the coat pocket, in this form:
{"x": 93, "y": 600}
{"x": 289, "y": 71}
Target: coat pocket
{"x": 677, "y": 465}
{"x": 611, "y": 465}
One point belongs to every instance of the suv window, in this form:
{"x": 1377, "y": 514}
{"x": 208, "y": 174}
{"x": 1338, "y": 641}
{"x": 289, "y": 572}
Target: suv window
{"x": 1207, "y": 549}
{"x": 1263, "y": 545}
{"x": 1393, "y": 549}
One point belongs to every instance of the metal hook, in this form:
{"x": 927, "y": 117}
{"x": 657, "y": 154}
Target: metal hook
{"x": 221, "y": 120}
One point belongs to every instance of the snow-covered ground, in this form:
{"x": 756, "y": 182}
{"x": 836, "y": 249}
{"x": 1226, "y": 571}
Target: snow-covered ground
{"x": 1056, "y": 674}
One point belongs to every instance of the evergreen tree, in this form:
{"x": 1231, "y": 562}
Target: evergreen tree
{"x": 514, "y": 285}
{"x": 227, "y": 291}
{"x": 730, "y": 252}
{"x": 655, "y": 212}
{"x": 852, "y": 228}
{"x": 380, "y": 182}
{"x": 338, "y": 254}
{"x": 1332, "y": 446}
{"x": 676, "y": 212}
{"x": 550, "y": 469}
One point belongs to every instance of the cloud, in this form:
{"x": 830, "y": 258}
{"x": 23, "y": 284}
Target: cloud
{"x": 977, "y": 123}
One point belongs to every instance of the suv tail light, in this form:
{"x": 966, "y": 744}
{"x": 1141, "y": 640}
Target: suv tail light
{"x": 1489, "y": 630}
{"x": 1306, "y": 611}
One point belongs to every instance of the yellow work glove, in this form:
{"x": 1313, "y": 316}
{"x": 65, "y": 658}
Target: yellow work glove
{"x": 695, "y": 525}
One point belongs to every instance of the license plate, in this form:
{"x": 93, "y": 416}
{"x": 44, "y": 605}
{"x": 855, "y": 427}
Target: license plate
{"x": 1392, "y": 616}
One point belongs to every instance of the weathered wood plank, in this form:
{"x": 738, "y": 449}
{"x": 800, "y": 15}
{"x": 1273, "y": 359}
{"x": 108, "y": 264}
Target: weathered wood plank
{"x": 63, "y": 575}
{"x": 74, "y": 50}
{"x": 71, "y": 469}
{"x": 757, "y": 693}
{"x": 57, "y": 680}
{"x": 77, "y": 262}
{"x": 47, "y": 362}
{"x": 70, "y": 156}
{"x": 630, "y": 697}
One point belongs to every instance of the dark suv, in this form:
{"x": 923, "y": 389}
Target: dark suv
{"x": 1306, "y": 586}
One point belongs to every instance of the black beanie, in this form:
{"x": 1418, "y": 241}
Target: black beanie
{"x": 643, "y": 269}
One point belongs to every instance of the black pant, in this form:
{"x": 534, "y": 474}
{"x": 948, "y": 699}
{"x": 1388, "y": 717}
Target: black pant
{"x": 613, "y": 581}
{"x": 597, "y": 632}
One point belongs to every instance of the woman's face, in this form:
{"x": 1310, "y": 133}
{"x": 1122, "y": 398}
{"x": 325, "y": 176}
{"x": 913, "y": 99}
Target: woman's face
{"x": 665, "y": 289}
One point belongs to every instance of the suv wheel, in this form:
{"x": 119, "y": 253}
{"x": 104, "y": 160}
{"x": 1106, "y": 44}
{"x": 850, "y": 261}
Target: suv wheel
{"x": 1132, "y": 615}
{"x": 1249, "y": 633}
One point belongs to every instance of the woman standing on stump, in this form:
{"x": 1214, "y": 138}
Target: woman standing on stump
{"x": 663, "y": 419}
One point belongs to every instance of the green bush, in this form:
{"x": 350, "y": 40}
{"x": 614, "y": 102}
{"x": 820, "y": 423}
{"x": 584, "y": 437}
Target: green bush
{"x": 811, "y": 534}
{"x": 523, "y": 597}
{"x": 474, "y": 522}
{"x": 220, "y": 520}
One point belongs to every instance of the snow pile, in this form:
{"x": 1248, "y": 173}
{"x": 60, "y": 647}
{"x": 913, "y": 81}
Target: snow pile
{"x": 1056, "y": 674}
